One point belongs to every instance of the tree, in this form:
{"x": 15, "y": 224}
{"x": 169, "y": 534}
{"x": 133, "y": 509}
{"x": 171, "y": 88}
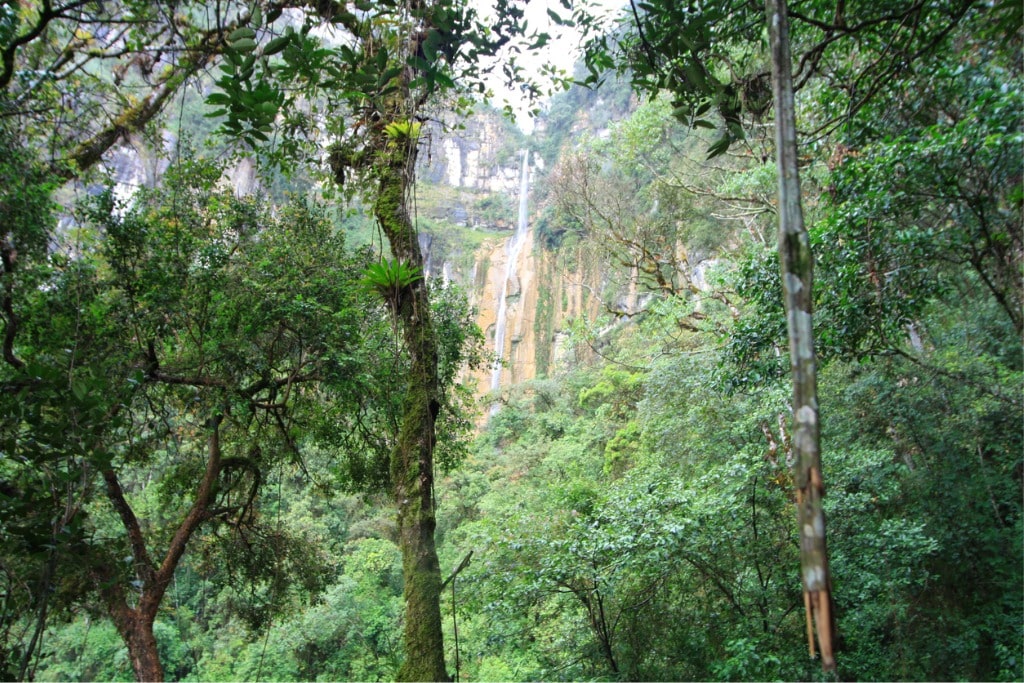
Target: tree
{"x": 646, "y": 241}
{"x": 34, "y": 540}
{"x": 797, "y": 276}
{"x": 638, "y": 201}
{"x": 396, "y": 64}
{"x": 397, "y": 58}
{"x": 86, "y": 75}
{"x": 200, "y": 332}
{"x": 711, "y": 62}
{"x": 61, "y": 111}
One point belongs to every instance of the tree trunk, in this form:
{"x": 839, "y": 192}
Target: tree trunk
{"x": 796, "y": 264}
{"x": 412, "y": 461}
{"x": 136, "y": 630}
{"x": 135, "y": 625}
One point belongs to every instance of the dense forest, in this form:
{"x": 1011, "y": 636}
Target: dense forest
{"x": 315, "y": 367}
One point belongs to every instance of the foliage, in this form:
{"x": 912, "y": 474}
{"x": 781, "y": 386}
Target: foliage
{"x": 631, "y": 514}
{"x": 952, "y": 184}
{"x": 172, "y": 328}
{"x": 711, "y": 59}
{"x": 45, "y": 435}
{"x": 389, "y": 279}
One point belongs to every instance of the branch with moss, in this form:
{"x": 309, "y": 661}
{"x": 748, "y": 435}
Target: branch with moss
{"x": 8, "y": 256}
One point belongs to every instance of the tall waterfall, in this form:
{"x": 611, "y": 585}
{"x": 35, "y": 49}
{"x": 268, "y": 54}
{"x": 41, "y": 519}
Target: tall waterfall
{"x": 515, "y": 246}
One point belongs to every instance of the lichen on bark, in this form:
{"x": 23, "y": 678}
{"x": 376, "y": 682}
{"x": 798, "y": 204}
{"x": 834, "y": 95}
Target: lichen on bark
{"x": 796, "y": 261}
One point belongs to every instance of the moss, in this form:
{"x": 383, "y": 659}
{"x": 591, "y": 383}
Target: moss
{"x": 412, "y": 458}
{"x": 480, "y": 281}
{"x": 542, "y": 324}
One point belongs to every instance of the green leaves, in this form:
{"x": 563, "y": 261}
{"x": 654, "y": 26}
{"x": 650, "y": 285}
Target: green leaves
{"x": 403, "y": 132}
{"x": 700, "y": 57}
{"x": 248, "y": 100}
{"x": 558, "y": 19}
{"x": 720, "y": 146}
{"x": 277, "y": 45}
{"x": 242, "y": 40}
{"x": 196, "y": 304}
{"x": 913, "y": 215}
{"x": 390, "y": 278}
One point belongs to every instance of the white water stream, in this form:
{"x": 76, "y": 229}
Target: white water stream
{"x": 514, "y": 247}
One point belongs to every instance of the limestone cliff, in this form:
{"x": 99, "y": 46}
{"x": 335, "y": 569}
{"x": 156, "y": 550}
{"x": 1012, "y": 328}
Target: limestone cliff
{"x": 525, "y": 296}
{"x": 468, "y": 203}
{"x": 542, "y": 296}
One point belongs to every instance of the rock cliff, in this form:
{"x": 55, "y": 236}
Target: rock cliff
{"x": 480, "y": 233}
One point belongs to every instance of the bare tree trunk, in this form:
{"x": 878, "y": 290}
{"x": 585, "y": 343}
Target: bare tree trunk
{"x": 797, "y": 263}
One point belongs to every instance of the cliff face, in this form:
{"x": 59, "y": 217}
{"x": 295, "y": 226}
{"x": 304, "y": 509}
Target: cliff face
{"x": 542, "y": 297}
{"x": 525, "y": 296}
{"x": 479, "y": 153}
{"x": 471, "y": 207}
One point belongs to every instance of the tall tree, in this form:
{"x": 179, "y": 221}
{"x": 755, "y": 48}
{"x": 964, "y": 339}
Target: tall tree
{"x": 388, "y": 158}
{"x": 394, "y": 59}
{"x": 400, "y": 55}
{"x": 184, "y": 363}
{"x": 797, "y": 264}
{"x": 712, "y": 63}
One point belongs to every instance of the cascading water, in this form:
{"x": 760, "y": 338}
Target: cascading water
{"x": 515, "y": 245}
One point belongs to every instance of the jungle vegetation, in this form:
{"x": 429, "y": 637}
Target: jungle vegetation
{"x": 236, "y": 442}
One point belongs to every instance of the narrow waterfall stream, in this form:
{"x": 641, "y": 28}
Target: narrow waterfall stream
{"x": 515, "y": 246}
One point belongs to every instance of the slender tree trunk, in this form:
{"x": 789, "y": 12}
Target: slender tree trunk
{"x": 796, "y": 264}
{"x": 412, "y": 461}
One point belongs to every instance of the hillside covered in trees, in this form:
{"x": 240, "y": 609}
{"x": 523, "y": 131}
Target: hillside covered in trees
{"x": 314, "y": 367}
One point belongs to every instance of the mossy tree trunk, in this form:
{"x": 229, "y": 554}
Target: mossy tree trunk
{"x": 383, "y": 155}
{"x": 412, "y": 461}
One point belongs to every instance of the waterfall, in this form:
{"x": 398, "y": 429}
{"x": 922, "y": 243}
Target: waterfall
{"x": 513, "y": 248}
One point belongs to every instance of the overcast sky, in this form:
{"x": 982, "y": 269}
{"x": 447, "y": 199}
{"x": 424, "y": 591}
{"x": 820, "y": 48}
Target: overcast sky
{"x": 562, "y": 51}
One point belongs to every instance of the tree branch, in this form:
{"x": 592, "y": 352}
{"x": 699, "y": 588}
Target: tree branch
{"x": 46, "y": 15}
{"x": 197, "y": 514}
{"x": 132, "y": 119}
{"x": 143, "y": 562}
{"x": 8, "y": 255}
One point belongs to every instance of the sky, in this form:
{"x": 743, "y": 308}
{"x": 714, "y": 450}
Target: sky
{"x": 562, "y": 50}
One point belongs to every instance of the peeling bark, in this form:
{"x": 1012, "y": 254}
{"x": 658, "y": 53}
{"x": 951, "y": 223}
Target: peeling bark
{"x": 796, "y": 262}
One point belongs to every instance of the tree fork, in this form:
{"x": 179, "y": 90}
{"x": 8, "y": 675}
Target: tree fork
{"x": 135, "y": 624}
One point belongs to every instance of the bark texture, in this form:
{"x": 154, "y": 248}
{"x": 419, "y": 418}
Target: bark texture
{"x": 387, "y": 158}
{"x": 796, "y": 263}
{"x": 135, "y": 624}
{"x": 412, "y": 461}
{"x": 136, "y": 630}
